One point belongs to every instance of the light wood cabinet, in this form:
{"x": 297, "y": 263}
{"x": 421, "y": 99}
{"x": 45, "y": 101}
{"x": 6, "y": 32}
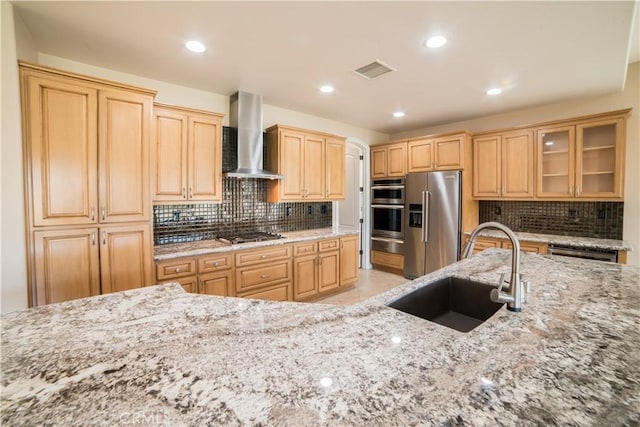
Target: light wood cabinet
{"x": 389, "y": 160}
{"x": 125, "y": 257}
{"x": 86, "y": 153}
{"x": 66, "y": 265}
{"x": 305, "y": 283}
{"x": 312, "y": 163}
{"x": 503, "y": 166}
{"x": 483, "y": 243}
{"x": 394, "y": 262}
{"x": 445, "y": 152}
{"x": 349, "y": 260}
{"x": 210, "y": 274}
{"x": 187, "y": 155}
{"x": 584, "y": 160}
{"x": 219, "y": 283}
{"x": 259, "y": 272}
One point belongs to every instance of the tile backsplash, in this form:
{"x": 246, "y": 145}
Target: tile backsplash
{"x": 582, "y": 219}
{"x": 243, "y": 209}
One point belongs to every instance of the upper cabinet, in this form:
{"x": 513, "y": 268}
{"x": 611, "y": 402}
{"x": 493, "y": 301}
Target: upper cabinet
{"x": 436, "y": 153}
{"x": 583, "y": 160}
{"x": 503, "y": 165}
{"x": 86, "y": 150}
{"x": 187, "y": 155}
{"x": 312, "y": 164}
{"x": 389, "y": 160}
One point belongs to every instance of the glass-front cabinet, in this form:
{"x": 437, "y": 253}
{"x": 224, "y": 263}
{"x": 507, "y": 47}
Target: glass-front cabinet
{"x": 584, "y": 160}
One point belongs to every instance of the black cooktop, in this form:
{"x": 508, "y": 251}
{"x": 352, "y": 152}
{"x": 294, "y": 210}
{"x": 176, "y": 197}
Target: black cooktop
{"x": 257, "y": 236}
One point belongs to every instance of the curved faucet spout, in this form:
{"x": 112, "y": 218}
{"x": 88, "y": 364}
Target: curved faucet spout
{"x": 515, "y": 296}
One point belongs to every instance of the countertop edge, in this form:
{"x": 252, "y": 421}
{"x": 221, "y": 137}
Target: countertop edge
{"x": 553, "y": 239}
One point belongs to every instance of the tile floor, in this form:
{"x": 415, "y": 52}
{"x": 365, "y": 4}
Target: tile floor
{"x": 370, "y": 283}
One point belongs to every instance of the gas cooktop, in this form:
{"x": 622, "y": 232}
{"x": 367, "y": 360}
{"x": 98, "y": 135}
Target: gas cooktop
{"x": 257, "y": 236}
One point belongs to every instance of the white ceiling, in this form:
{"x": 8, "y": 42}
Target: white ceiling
{"x": 538, "y": 52}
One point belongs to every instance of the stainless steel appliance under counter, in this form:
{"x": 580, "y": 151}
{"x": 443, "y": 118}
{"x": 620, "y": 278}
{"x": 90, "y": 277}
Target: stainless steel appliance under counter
{"x": 433, "y": 221}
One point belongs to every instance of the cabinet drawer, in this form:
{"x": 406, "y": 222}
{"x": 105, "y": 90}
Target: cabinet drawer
{"x": 262, "y": 255}
{"x": 275, "y": 293}
{"x": 263, "y": 275}
{"x": 175, "y": 268}
{"x": 386, "y": 259}
{"x": 189, "y": 284}
{"x": 329, "y": 245}
{"x": 305, "y": 248}
{"x": 214, "y": 263}
{"x": 531, "y": 247}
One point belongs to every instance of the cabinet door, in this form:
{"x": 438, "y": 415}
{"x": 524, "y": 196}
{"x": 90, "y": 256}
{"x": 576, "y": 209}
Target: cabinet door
{"x": 123, "y": 148}
{"x": 314, "y": 170}
{"x": 420, "y": 155}
{"x": 66, "y": 265}
{"x": 517, "y": 165}
{"x": 348, "y": 260}
{"x": 169, "y": 157}
{"x": 291, "y": 164}
{"x": 379, "y": 162}
{"x": 328, "y": 271}
{"x": 335, "y": 169}
{"x": 60, "y": 122}
{"x": 189, "y": 284}
{"x": 449, "y": 152}
{"x": 218, "y": 283}
{"x": 556, "y": 162}
{"x": 125, "y": 257}
{"x": 487, "y": 169}
{"x": 600, "y": 159}
{"x": 397, "y": 165}
{"x": 205, "y": 159}
{"x": 305, "y": 277}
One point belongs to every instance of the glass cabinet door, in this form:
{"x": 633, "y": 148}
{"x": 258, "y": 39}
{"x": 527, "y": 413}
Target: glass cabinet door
{"x": 556, "y": 160}
{"x": 598, "y": 159}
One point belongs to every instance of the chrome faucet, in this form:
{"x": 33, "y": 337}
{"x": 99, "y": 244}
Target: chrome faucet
{"x": 516, "y": 295}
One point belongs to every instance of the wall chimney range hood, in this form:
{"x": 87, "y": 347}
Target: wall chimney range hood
{"x": 245, "y": 114}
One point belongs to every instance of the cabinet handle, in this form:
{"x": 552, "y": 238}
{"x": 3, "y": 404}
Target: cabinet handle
{"x": 104, "y": 237}
{"x": 215, "y": 264}
{"x": 93, "y": 213}
{"x": 103, "y": 213}
{"x": 265, "y": 276}
{"x": 177, "y": 269}
{"x": 184, "y": 193}
{"x": 263, "y": 256}
{"x": 93, "y": 238}
{"x": 191, "y": 192}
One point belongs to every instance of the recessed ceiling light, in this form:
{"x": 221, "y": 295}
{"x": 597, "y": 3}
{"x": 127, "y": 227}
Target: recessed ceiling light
{"x": 435, "y": 42}
{"x": 195, "y": 46}
{"x": 494, "y": 91}
{"x": 326, "y": 89}
{"x": 398, "y": 114}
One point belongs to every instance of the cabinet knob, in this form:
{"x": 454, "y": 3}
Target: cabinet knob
{"x": 215, "y": 264}
{"x": 184, "y": 193}
{"x": 177, "y": 269}
{"x": 263, "y": 256}
{"x": 265, "y": 276}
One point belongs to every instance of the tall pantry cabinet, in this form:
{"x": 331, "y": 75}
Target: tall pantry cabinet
{"x": 86, "y": 152}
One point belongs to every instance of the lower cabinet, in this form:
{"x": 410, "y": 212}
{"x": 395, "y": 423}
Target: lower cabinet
{"x": 286, "y": 272}
{"x": 82, "y": 262}
{"x": 388, "y": 261}
{"x": 483, "y": 243}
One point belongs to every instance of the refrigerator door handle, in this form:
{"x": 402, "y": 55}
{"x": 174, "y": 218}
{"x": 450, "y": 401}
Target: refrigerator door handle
{"x": 426, "y": 201}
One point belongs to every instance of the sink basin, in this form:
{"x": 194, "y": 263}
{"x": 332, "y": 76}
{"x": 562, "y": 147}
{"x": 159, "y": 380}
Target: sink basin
{"x": 459, "y": 304}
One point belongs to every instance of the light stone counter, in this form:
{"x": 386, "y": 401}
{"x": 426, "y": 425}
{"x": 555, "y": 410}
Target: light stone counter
{"x": 160, "y": 356}
{"x": 552, "y": 239}
{"x": 205, "y": 247}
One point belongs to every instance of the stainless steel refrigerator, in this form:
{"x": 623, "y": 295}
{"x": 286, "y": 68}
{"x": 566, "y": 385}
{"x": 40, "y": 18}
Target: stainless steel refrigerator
{"x": 432, "y": 212}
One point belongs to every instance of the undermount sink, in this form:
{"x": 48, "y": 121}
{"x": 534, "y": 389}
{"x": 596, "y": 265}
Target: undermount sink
{"x": 459, "y": 304}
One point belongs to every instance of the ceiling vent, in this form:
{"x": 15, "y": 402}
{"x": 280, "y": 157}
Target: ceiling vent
{"x": 373, "y": 70}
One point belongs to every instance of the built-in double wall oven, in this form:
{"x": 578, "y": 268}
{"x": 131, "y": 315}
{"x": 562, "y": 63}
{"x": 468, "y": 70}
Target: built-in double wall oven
{"x": 387, "y": 214}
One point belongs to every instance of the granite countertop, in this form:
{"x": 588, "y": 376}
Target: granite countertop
{"x": 579, "y": 242}
{"x": 160, "y": 356}
{"x": 204, "y": 247}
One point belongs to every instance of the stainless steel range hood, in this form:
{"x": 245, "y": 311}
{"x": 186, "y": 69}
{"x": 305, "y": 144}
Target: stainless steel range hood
{"x": 245, "y": 114}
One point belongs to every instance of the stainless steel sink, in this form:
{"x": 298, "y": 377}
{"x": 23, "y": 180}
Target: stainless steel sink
{"x": 459, "y": 304}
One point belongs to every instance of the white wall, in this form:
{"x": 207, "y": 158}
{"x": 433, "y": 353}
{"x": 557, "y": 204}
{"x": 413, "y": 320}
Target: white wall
{"x": 627, "y": 98}
{"x": 13, "y": 264}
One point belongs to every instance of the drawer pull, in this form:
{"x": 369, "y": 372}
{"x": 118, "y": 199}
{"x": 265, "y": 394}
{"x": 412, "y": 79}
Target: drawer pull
{"x": 215, "y": 264}
{"x": 263, "y": 256}
{"x": 177, "y": 269}
{"x": 265, "y": 276}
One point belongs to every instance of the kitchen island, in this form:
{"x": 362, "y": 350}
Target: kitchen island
{"x": 160, "y": 356}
